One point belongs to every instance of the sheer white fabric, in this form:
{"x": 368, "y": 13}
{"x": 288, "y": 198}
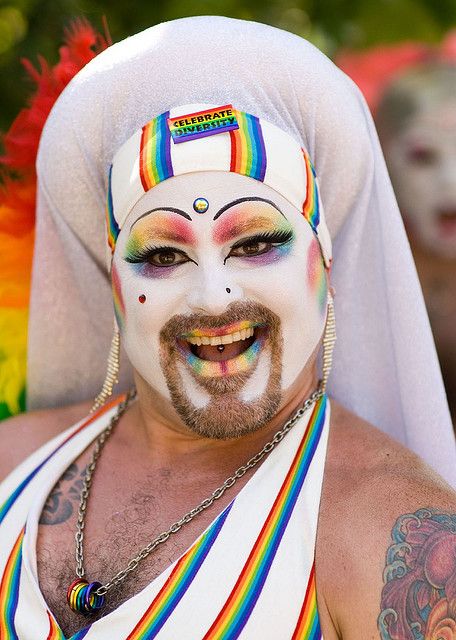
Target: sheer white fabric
{"x": 385, "y": 368}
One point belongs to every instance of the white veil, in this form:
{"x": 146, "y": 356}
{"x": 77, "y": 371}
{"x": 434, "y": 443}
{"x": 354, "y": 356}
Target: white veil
{"x": 385, "y": 368}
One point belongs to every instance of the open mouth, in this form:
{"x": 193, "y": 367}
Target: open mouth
{"x": 447, "y": 221}
{"x": 223, "y": 351}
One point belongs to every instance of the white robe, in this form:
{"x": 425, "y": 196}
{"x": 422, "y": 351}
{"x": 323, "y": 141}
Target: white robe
{"x": 249, "y": 575}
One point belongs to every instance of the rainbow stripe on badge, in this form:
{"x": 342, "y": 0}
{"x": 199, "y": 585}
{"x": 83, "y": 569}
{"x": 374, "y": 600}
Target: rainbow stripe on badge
{"x": 248, "y": 151}
{"x": 203, "y": 123}
{"x": 155, "y": 152}
{"x": 311, "y": 207}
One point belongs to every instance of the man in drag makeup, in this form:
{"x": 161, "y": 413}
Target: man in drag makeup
{"x": 224, "y": 495}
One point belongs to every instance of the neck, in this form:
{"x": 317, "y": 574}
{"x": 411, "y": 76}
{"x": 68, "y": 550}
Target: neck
{"x": 154, "y": 429}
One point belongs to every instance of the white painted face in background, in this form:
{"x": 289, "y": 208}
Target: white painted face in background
{"x": 422, "y": 163}
{"x": 219, "y": 310}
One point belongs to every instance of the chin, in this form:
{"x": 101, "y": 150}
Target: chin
{"x": 224, "y": 373}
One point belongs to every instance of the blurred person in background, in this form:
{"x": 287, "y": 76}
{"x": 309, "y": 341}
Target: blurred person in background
{"x": 412, "y": 92}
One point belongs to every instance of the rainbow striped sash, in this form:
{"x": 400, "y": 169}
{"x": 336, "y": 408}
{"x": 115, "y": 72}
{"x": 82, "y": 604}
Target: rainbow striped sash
{"x": 241, "y": 602}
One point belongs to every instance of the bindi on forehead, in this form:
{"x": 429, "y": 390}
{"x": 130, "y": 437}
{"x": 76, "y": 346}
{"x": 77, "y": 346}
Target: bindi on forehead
{"x": 162, "y": 227}
{"x": 246, "y": 218}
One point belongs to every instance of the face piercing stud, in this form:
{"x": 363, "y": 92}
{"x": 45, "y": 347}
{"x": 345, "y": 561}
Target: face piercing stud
{"x": 228, "y": 290}
{"x": 142, "y": 298}
{"x": 201, "y": 205}
{"x": 221, "y": 348}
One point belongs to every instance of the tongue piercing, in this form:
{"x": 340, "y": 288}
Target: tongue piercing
{"x": 221, "y": 348}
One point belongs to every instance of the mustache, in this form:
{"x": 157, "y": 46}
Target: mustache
{"x": 235, "y": 312}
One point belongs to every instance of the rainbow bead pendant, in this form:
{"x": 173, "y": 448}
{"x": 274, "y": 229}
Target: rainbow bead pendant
{"x": 82, "y": 596}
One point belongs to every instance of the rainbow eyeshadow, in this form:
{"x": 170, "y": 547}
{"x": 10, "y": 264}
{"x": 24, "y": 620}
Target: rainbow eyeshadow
{"x": 154, "y": 232}
{"x": 249, "y": 218}
{"x": 316, "y": 274}
{"x": 119, "y": 305}
{"x": 239, "y": 364}
{"x": 255, "y": 220}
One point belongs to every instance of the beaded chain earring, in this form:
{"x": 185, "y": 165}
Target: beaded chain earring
{"x": 112, "y": 373}
{"x": 329, "y": 340}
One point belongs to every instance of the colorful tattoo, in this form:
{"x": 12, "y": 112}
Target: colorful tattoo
{"x": 419, "y": 596}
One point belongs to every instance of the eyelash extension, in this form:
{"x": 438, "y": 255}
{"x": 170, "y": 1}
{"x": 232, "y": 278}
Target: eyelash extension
{"x": 274, "y": 237}
{"x": 146, "y": 252}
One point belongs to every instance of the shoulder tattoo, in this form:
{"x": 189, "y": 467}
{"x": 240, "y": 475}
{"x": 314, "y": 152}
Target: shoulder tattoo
{"x": 419, "y": 594}
{"x": 60, "y": 503}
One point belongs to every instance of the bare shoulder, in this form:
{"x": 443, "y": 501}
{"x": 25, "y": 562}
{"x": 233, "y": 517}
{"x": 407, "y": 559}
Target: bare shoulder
{"x": 21, "y": 435}
{"x": 382, "y": 508}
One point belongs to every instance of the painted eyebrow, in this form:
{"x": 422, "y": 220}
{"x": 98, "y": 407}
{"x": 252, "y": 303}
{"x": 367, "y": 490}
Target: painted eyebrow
{"x": 251, "y": 199}
{"x": 171, "y": 209}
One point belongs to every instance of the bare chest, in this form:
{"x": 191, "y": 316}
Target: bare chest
{"x": 118, "y": 525}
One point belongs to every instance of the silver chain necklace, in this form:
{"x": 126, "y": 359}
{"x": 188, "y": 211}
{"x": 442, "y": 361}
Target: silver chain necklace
{"x": 85, "y": 597}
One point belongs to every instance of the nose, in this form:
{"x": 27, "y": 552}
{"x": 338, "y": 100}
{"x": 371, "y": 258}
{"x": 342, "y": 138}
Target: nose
{"x": 212, "y": 292}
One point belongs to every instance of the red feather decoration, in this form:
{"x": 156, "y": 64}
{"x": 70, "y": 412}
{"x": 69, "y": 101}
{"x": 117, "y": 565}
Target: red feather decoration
{"x": 17, "y": 200}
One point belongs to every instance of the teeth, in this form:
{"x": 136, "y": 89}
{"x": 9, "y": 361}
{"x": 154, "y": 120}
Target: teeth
{"x": 244, "y": 334}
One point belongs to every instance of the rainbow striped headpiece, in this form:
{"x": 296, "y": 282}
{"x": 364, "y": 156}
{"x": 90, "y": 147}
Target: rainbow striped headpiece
{"x": 195, "y": 138}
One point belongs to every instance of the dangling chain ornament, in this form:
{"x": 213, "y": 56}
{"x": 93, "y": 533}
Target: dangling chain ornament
{"x": 84, "y": 597}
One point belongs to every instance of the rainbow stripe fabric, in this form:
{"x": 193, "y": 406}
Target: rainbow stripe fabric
{"x": 111, "y": 224}
{"x": 308, "y": 625}
{"x": 6, "y": 506}
{"x": 9, "y": 590}
{"x": 311, "y": 207}
{"x": 248, "y": 152}
{"x": 177, "y": 584}
{"x": 241, "y": 602}
{"x": 155, "y": 152}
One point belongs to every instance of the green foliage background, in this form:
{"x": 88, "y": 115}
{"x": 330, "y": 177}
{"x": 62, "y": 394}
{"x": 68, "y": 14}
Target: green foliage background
{"x": 30, "y": 27}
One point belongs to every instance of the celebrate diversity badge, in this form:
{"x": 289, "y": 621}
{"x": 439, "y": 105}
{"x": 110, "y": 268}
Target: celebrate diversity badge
{"x": 203, "y": 123}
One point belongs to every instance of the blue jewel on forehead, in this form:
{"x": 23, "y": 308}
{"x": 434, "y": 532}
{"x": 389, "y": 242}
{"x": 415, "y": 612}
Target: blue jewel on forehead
{"x": 201, "y": 205}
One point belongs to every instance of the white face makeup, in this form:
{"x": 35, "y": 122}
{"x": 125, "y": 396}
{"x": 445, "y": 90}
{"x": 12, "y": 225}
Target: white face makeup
{"x": 219, "y": 311}
{"x": 422, "y": 163}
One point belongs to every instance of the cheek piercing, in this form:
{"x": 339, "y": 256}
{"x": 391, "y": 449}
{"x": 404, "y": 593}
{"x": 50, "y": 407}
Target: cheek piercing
{"x": 228, "y": 290}
{"x": 142, "y": 298}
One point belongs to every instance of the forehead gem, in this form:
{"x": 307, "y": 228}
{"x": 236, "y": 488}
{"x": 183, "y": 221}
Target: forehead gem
{"x": 201, "y": 205}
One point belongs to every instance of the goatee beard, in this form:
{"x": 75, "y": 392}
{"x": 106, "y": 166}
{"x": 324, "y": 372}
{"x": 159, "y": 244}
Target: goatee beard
{"x": 225, "y": 415}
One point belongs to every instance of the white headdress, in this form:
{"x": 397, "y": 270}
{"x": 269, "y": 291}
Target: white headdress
{"x": 385, "y": 366}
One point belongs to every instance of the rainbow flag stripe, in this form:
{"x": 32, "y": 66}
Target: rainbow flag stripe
{"x": 311, "y": 207}
{"x": 111, "y": 224}
{"x": 248, "y": 152}
{"x": 240, "y": 603}
{"x": 9, "y": 590}
{"x": 308, "y": 625}
{"x": 6, "y": 506}
{"x": 155, "y": 153}
{"x": 177, "y": 583}
{"x": 55, "y": 632}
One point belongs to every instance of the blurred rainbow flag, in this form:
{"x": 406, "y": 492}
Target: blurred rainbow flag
{"x": 17, "y": 204}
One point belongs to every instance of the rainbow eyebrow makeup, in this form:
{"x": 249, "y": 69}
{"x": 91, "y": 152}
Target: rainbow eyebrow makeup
{"x": 258, "y": 222}
{"x": 162, "y": 228}
{"x": 250, "y": 217}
